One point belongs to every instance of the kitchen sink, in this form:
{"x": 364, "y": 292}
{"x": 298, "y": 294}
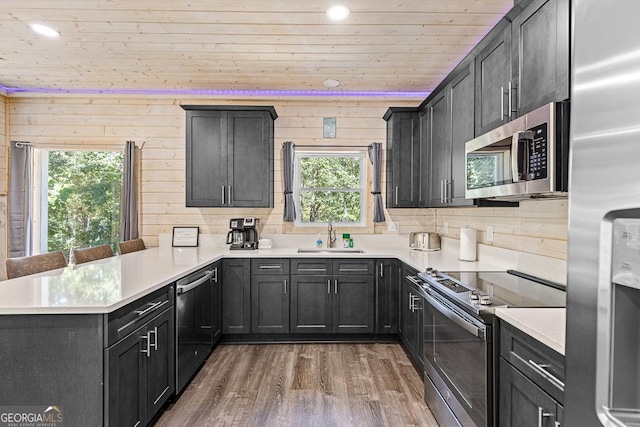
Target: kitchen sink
{"x": 329, "y": 251}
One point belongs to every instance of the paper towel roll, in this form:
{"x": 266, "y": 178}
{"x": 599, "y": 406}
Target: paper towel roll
{"x": 467, "y": 244}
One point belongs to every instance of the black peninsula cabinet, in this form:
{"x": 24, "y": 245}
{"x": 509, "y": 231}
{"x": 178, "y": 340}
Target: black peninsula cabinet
{"x": 229, "y": 156}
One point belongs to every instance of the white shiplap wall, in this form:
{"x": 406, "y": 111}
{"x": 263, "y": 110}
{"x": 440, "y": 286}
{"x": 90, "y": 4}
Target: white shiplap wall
{"x": 537, "y": 227}
{"x": 160, "y": 124}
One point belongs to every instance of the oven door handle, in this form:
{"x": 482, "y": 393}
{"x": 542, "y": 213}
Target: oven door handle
{"x": 181, "y": 289}
{"x": 457, "y": 319}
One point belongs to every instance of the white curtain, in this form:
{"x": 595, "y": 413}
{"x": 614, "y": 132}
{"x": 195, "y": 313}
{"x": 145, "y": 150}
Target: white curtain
{"x": 20, "y": 200}
{"x": 128, "y": 199}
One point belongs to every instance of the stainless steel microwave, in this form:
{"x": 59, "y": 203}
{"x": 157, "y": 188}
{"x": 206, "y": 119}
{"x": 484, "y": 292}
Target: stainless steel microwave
{"x": 526, "y": 157}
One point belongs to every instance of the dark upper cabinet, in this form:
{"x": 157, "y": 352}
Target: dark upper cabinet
{"x": 493, "y": 80}
{"x": 229, "y": 156}
{"x": 540, "y": 55}
{"x": 439, "y": 147}
{"x": 403, "y": 158}
{"x": 524, "y": 63}
{"x": 451, "y": 125}
{"x": 236, "y": 296}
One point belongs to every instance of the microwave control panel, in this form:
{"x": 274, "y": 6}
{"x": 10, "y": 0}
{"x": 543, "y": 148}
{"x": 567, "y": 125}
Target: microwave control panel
{"x": 538, "y": 156}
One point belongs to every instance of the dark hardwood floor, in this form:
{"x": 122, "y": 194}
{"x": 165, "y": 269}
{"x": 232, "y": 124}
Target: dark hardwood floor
{"x": 303, "y": 385}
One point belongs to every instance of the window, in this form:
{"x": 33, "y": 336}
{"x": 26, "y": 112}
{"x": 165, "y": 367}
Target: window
{"x": 79, "y": 202}
{"x": 330, "y": 186}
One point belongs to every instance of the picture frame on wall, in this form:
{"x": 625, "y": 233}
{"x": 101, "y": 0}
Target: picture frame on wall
{"x": 185, "y": 237}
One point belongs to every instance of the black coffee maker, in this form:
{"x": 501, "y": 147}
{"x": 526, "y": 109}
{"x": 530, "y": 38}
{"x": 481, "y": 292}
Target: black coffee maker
{"x": 244, "y": 233}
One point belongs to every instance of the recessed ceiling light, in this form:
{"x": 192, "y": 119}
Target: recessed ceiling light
{"x": 44, "y": 30}
{"x": 338, "y": 12}
{"x": 331, "y": 83}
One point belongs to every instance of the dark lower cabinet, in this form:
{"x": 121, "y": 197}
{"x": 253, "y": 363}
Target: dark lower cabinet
{"x": 236, "y": 296}
{"x": 387, "y": 295}
{"x": 216, "y": 296}
{"x": 522, "y": 403}
{"x": 270, "y": 304}
{"x": 141, "y": 372}
{"x": 311, "y": 304}
{"x": 352, "y": 304}
{"x": 411, "y": 312}
{"x": 332, "y": 304}
{"x": 531, "y": 381}
{"x": 342, "y": 302}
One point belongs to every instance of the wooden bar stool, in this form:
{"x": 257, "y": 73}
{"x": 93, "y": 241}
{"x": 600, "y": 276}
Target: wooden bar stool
{"x": 26, "y": 265}
{"x": 92, "y": 254}
{"x": 133, "y": 245}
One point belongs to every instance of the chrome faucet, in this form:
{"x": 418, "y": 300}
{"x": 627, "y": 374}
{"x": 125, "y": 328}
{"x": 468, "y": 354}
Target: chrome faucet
{"x": 331, "y": 241}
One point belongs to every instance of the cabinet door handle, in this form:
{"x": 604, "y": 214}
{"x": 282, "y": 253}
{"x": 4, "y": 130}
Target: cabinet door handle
{"x": 329, "y": 286}
{"x": 446, "y": 191}
{"x": 542, "y": 415}
{"x": 155, "y": 339}
{"x": 510, "y": 109}
{"x": 229, "y": 193}
{"x": 148, "y": 349}
{"x": 381, "y": 270}
{"x": 215, "y": 275}
{"x": 396, "y": 195}
{"x": 502, "y": 103}
{"x": 335, "y": 289}
{"x": 222, "y": 194}
{"x": 410, "y": 302}
{"x": 285, "y": 286}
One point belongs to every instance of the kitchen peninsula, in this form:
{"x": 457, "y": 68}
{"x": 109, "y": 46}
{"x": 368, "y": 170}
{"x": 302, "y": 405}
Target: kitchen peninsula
{"x": 59, "y": 327}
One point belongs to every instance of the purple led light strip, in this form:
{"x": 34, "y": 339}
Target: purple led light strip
{"x": 216, "y": 92}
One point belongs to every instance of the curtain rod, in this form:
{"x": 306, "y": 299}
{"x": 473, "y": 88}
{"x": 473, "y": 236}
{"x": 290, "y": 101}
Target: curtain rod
{"x": 331, "y": 146}
{"x": 22, "y": 144}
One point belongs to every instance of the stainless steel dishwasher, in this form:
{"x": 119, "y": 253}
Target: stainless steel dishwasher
{"x": 194, "y": 314}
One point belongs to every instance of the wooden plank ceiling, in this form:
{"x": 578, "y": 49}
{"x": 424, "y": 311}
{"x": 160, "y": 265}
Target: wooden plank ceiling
{"x": 394, "y": 45}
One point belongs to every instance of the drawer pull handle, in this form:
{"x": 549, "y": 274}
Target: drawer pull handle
{"x": 354, "y": 269}
{"x": 312, "y": 269}
{"x": 542, "y": 415}
{"x": 270, "y": 267}
{"x": 548, "y": 375}
{"x": 151, "y": 305}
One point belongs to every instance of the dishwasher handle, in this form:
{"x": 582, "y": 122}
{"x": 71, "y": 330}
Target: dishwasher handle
{"x": 181, "y": 289}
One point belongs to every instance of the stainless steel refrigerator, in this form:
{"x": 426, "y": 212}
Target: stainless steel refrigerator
{"x": 603, "y": 286}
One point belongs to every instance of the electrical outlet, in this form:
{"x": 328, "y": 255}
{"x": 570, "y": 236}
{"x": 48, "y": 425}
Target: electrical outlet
{"x": 445, "y": 228}
{"x": 489, "y": 233}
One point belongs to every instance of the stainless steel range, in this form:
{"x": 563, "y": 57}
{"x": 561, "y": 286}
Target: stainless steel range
{"x": 460, "y": 337}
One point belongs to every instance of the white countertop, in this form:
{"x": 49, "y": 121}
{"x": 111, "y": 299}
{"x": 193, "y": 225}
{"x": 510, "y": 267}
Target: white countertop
{"x": 106, "y": 285}
{"x": 547, "y": 325}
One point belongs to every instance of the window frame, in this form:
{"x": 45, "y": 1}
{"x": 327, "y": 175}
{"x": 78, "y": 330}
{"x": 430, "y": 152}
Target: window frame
{"x": 40, "y": 175}
{"x": 362, "y": 189}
